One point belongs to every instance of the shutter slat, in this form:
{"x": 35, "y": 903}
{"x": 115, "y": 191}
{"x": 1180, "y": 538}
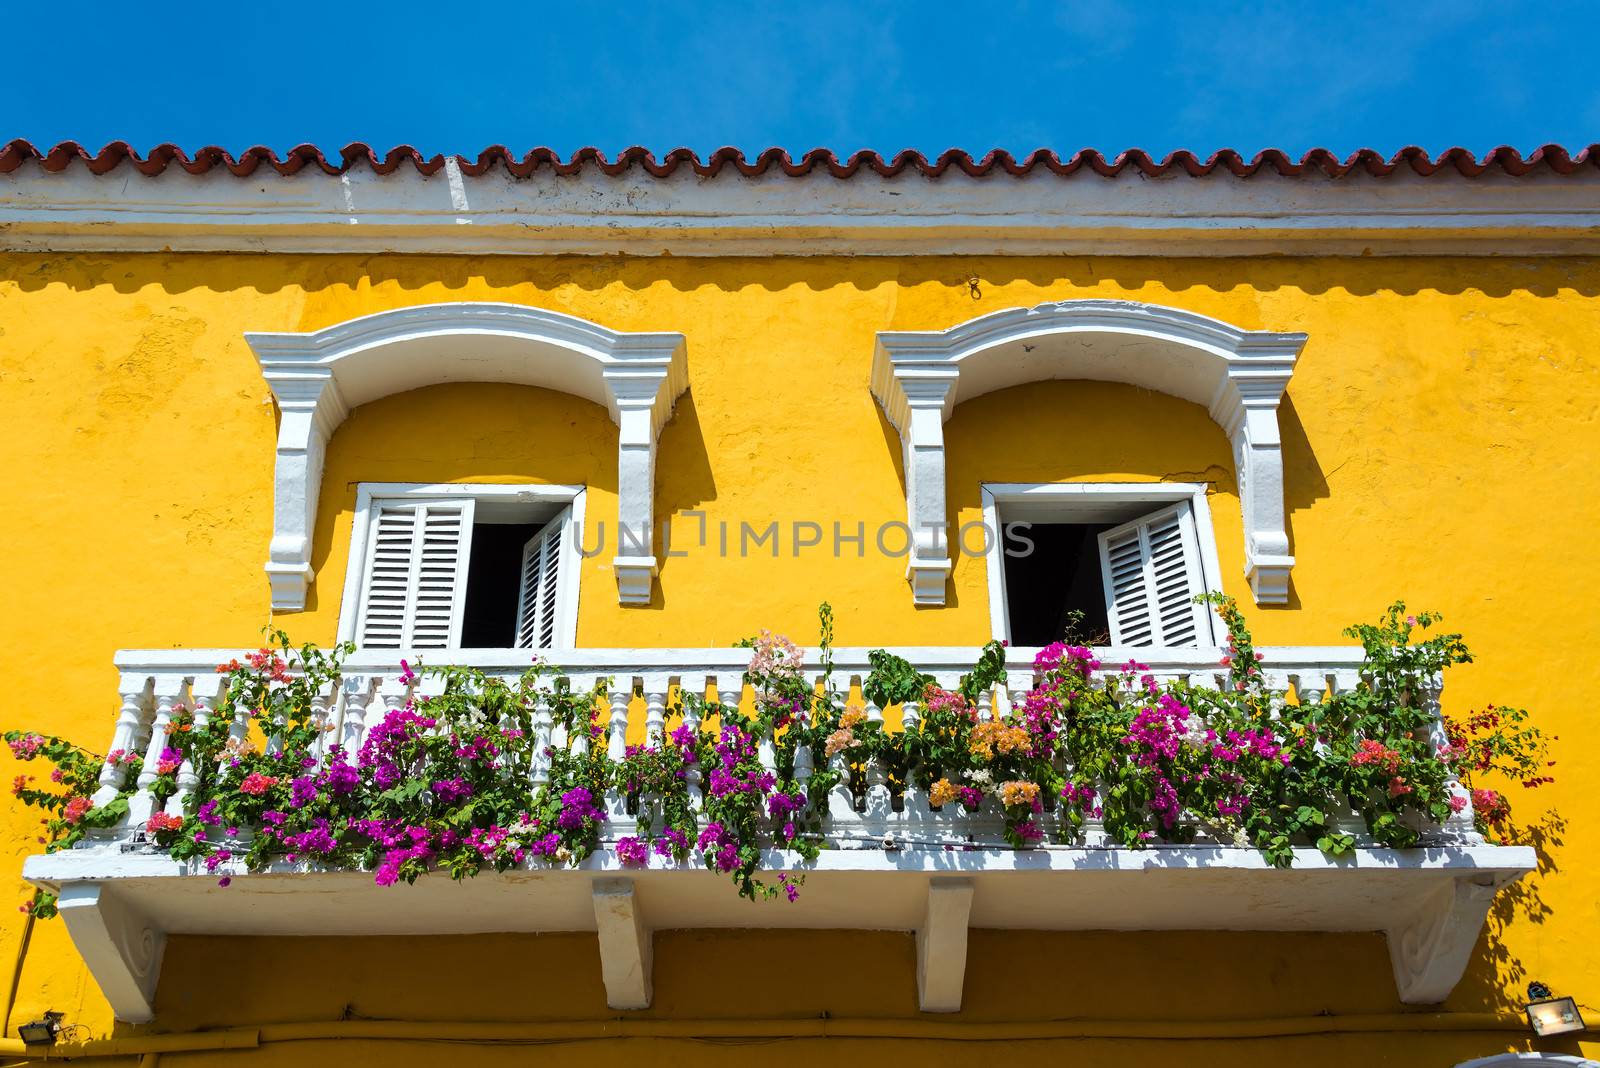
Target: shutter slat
{"x": 1151, "y": 571}
{"x": 416, "y": 574}
{"x": 542, "y": 584}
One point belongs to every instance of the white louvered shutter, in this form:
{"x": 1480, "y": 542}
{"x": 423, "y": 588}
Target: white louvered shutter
{"x": 416, "y": 580}
{"x": 1151, "y": 569}
{"x": 542, "y": 586}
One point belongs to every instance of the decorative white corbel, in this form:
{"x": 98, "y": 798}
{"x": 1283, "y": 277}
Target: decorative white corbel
{"x": 922, "y": 397}
{"x": 1239, "y": 375}
{"x": 310, "y": 409}
{"x": 1429, "y": 949}
{"x": 1246, "y": 408}
{"x": 122, "y": 949}
{"x": 625, "y": 944}
{"x": 942, "y": 945}
{"x": 318, "y": 377}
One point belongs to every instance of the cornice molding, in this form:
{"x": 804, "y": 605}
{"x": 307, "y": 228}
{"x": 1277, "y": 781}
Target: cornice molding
{"x": 593, "y": 213}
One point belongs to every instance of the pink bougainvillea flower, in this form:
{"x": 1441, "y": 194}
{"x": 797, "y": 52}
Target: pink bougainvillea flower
{"x": 163, "y": 821}
{"x": 255, "y": 784}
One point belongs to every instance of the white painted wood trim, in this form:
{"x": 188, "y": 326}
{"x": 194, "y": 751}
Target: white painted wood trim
{"x": 371, "y": 495}
{"x": 998, "y": 494}
{"x": 1239, "y": 375}
{"x": 593, "y": 214}
{"x": 317, "y": 377}
{"x": 572, "y": 573}
{"x": 994, "y": 564}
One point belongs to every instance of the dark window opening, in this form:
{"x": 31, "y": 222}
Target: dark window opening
{"x": 1056, "y": 592}
{"x": 489, "y": 616}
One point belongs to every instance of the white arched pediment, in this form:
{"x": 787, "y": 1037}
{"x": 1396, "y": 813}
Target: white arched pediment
{"x": 318, "y": 377}
{"x": 1239, "y": 376}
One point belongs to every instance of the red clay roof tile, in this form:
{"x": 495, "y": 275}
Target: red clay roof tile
{"x": 1317, "y": 161}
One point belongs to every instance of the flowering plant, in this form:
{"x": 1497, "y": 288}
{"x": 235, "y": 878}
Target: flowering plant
{"x": 487, "y": 773}
{"x": 68, "y": 803}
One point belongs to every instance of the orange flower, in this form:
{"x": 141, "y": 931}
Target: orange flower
{"x": 942, "y": 793}
{"x": 1019, "y": 792}
{"x": 992, "y": 736}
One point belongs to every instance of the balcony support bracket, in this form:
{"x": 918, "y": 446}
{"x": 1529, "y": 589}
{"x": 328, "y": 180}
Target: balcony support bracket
{"x": 625, "y": 944}
{"x": 1430, "y": 950}
{"x": 121, "y": 948}
{"x": 942, "y": 945}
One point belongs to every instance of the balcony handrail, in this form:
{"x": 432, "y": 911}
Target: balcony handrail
{"x": 930, "y": 658}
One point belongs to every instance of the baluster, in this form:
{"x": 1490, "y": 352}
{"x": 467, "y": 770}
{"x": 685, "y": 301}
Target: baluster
{"x": 655, "y": 709}
{"x": 693, "y": 777}
{"x": 913, "y": 799}
{"x": 358, "y": 695}
{"x": 135, "y": 694}
{"x": 986, "y": 705}
{"x": 560, "y": 736}
{"x": 1344, "y": 680}
{"x": 542, "y": 722}
{"x": 168, "y": 693}
{"x": 1310, "y": 688}
{"x": 579, "y": 739}
{"x": 239, "y": 728}
{"x": 204, "y": 707}
{"x": 730, "y": 692}
{"x": 617, "y": 746}
{"x": 394, "y": 694}
{"x": 1277, "y": 685}
{"x": 1016, "y": 699}
{"x": 841, "y": 800}
{"x": 1460, "y": 824}
{"x": 617, "y": 733}
{"x": 648, "y": 807}
{"x": 879, "y": 801}
{"x": 321, "y": 718}
{"x": 803, "y": 769}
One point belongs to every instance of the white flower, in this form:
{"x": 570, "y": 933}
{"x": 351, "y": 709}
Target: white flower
{"x": 981, "y": 779}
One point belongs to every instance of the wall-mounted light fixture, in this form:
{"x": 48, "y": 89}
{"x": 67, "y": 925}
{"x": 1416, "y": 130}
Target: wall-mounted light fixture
{"x": 1549, "y": 1015}
{"x": 42, "y": 1032}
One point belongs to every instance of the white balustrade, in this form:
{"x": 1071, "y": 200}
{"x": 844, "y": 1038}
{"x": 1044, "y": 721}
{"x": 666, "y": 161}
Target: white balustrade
{"x": 860, "y": 809}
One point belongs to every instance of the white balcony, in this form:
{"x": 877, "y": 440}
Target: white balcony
{"x": 894, "y": 862}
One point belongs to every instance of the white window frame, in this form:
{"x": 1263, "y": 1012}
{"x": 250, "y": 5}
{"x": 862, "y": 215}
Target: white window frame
{"x": 370, "y": 496}
{"x": 1156, "y": 494}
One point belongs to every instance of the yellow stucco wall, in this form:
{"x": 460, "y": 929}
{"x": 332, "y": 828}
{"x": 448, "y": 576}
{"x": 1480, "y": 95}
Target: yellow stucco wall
{"x": 1440, "y": 444}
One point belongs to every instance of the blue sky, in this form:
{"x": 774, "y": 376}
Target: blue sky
{"x": 455, "y": 77}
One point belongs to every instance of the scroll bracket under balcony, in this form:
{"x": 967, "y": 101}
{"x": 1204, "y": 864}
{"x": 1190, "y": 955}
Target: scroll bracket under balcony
{"x": 122, "y": 949}
{"x": 1430, "y": 950}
